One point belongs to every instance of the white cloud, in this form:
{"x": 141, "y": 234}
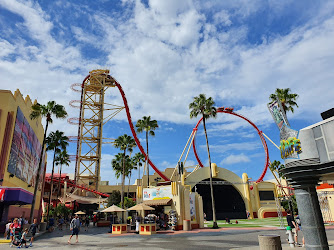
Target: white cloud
{"x": 249, "y": 146}
{"x": 232, "y": 159}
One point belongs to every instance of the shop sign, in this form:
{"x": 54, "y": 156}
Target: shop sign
{"x": 192, "y": 207}
{"x": 157, "y": 193}
{"x": 289, "y": 147}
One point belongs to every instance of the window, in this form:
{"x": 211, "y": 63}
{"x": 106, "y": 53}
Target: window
{"x": 266, "y": 195}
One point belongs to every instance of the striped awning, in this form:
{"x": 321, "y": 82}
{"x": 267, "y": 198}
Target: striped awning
{"x": 159, "y": 202}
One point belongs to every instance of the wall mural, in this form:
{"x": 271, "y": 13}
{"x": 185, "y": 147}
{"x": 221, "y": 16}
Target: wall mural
{"x": 25, "y": 151}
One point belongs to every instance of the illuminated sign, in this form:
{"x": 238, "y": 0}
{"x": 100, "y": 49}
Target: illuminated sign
{"x": 289, "y": 147}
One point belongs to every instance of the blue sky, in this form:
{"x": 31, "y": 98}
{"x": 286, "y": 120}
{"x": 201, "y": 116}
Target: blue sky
{"x": 166, "y": 52}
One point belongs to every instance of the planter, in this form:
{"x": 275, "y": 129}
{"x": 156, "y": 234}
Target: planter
{"x": 42, "y": 226}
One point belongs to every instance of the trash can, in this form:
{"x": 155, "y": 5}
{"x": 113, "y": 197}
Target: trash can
{"x": 270, "y": 242}
{"x": 186, "y": 225}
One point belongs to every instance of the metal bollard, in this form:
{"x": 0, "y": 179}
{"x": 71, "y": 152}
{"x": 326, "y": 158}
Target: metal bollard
{"x": 290, "y": 236}
{"x": 270, "y": 242}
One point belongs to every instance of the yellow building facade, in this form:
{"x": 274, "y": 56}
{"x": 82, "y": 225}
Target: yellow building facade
{"x": 20, "y": 147}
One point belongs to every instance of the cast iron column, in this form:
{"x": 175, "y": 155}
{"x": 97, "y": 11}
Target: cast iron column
{"x": 311, "y": 218}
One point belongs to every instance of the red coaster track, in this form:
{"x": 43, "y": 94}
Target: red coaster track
{"x": 230, "y": 111}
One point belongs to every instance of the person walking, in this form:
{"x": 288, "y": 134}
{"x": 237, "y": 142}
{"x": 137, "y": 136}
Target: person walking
{"x": 33, "y": 230}
{"x": 75, "y": 228}
{"x": 291, "y": 222}
{"x": 94, "y": 220}
{"x": 61, "y": 223}
{"x": 299, "y": 226}
{"x": 86, "y": 221}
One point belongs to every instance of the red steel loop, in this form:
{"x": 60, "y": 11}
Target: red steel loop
{"x": 73, "y": 120}
{"x": 229, "y": 111}
{"x": 134, "y": 132}
{"x": 76, "y": 85}
{"x": 73, "y": 103}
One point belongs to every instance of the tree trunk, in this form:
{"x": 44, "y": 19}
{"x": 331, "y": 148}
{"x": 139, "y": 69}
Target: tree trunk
{"x": 31, "y": 218}
{"x": 147, "y": 165}
{"x": 129, "y": 185}
{"x": 59, "y": 186}
{"x": 123, "y": 180}
{"x": 215, "y": 225}
{"x": 51, "y": 184}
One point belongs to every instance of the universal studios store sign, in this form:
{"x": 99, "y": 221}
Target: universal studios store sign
{"x": 290, "y": 145}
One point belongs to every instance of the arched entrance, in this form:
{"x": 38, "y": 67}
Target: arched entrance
{"x": 229, "y": 203}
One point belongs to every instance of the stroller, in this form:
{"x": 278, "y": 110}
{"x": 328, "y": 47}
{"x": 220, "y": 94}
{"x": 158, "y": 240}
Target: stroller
{"x": 17, "y": 237}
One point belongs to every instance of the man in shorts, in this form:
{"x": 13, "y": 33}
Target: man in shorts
{"x": 75, "y": 228}
{"x": 33, "y": 230}
{"x": 291, "y": 222}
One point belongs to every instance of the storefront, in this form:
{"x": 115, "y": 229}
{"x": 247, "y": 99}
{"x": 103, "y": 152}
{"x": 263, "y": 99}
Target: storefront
{"x": 174, "y": 205}
{"x": 20, "y": 148}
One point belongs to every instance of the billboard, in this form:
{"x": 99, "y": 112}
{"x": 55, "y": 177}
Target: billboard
{"x": 157, "y": 193}
{"x": 25, "y": 151}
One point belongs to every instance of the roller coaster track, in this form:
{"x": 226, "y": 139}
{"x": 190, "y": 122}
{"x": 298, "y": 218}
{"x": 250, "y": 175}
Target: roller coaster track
{"x": 134, "y": 131}
{"x": 230, "y": 111}
{"x": 73, "y": 184}
{"x": 77, "y": 121}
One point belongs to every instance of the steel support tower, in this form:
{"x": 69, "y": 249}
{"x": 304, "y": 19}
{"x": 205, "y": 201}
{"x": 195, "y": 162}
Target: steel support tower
{"x": 91, "y": 120}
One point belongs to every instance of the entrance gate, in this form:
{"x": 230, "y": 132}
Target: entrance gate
{"x": 229, "y": 203}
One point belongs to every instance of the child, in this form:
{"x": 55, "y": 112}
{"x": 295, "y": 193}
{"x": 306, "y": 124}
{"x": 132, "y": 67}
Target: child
{"x": 24, "y": 238}
{"x": 33, "y": 230}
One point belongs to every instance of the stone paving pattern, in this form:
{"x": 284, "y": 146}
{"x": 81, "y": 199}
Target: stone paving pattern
{"x": 98, "y": 238}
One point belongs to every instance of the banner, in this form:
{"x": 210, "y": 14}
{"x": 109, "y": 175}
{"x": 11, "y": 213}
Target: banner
{"x": 157, "y": 193}
{"x": 278, "y": 114}
{"x": 192, "y": 207}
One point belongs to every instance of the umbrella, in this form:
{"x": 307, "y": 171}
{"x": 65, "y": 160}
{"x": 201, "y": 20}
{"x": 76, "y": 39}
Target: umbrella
{"x": 141, "y": 206}
{"x": 80, "y": 213}
{"x": 113, "y": 208}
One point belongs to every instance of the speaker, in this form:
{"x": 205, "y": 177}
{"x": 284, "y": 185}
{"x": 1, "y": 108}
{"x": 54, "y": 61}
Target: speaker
{"x": 327, "y": 114}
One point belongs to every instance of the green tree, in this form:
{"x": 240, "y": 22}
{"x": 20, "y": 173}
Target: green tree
{"x": 287, "y": 99}
{"x": 202, "y": 105}
{"x": 61, "y": 159}
{"x": 147, "y": 125}
{"x": 62, "y": 210}
{"x": 114, "y": 198}
{"x": 125, "y": 143}
{"x": 47, "y": 111}
{"x": 128, "y": 202}
{"x": 138, "y": 159}
{"x": 57, "y": 142}
{"x": 277, "y": 166}
{"x": 131, "y": 166}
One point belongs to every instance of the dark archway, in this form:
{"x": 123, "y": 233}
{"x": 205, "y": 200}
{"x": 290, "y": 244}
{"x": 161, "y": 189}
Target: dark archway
{"x": 229, "y": 203}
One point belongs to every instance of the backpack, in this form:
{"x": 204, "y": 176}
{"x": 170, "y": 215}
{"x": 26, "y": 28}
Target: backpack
{"x": 73, "y": 223}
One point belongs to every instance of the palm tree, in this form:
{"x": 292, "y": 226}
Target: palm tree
{"x": 138, "y": 158}
{"x": 47, "y": 111}
{"x": 61, "y": 159}
{"x": 55, "y": 141}
{"x": 204, "y": 106}
{"x": 131, "y": 166}
{"x": 277, "y": 166}
{"x": 125, "y": 143}
{"x": 147, "y": 125}
{"x": 287, "y": 99}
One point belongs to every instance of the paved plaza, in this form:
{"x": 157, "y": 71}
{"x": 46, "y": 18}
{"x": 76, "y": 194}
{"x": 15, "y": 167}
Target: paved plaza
{"x": 98, "y": 238}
